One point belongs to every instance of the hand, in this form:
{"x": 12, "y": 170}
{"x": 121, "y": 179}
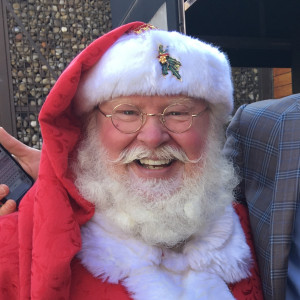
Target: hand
{"x": 10, "y": 205}
{"x": 27, "y": 157}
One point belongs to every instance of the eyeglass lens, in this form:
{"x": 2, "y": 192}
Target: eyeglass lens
{"x": 128, "y": 118}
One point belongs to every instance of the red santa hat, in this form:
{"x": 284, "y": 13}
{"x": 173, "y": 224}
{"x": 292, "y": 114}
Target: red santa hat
{"x": 147, "y": 61}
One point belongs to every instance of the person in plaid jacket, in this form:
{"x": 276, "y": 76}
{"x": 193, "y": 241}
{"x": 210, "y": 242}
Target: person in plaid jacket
{"x": 263, "y": 140}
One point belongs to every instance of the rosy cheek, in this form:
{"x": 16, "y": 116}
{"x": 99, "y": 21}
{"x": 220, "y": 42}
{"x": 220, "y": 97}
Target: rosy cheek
{"x": 193, "y": 142}
{"x": 195, "y": 146}
{"x": 199, "y": 136}
{"x": 113, "y": 140}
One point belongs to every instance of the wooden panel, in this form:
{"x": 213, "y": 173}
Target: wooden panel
{"x": 282, "y": 82}
{"x": 283, "y": 91}
{"x": 282, "y": 79}
{"x": 279, "y": 71}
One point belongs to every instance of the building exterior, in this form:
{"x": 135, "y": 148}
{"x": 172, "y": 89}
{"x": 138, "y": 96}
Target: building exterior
{"x": 41, "y": 37}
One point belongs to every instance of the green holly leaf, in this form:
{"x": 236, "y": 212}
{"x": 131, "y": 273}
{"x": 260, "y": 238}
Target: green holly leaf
{"x": 168, "y": 63}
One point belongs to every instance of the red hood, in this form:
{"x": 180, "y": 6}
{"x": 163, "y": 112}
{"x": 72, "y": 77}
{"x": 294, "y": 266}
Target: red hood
{"x": 52, "y": 211}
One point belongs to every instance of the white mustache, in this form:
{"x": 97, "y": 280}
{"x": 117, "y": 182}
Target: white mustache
{"x": 165, "y": 152}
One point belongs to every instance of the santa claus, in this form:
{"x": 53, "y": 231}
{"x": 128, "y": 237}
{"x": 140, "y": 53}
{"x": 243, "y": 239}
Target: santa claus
{"x": 133, "y": 199}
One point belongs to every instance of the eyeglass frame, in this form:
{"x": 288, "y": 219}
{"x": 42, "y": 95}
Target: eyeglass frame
{"x": 143, "y": 119}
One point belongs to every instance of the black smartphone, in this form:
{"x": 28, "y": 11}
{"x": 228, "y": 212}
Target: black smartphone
{"x": 13, "y": 175}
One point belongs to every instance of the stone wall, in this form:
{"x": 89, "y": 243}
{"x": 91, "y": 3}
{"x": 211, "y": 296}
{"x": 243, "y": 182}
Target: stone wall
{"x": 246, "y": 86}
{"x": 44, "y": 36}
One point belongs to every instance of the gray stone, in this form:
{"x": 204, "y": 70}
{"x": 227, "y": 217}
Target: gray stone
{"x": 60, "y": 29}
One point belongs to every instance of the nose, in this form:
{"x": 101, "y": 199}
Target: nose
{"x": 153, "y": 133}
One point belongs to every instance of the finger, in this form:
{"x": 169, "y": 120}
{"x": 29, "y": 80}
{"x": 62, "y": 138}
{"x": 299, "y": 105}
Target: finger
{"x": 14, "y": 146}
{"x": 4, "y": 190}
{"x": 8, "y": 207}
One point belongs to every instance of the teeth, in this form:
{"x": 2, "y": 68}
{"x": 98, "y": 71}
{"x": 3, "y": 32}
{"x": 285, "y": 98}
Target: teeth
{"x": 147, "y": 161}
{"x": 152, "y": 167}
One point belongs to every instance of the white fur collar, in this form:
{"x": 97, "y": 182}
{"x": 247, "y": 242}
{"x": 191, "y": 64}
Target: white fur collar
{"x": 202, "y": 270}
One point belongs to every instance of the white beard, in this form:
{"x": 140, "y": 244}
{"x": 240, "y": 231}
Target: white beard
{"x": 157, "y": 211}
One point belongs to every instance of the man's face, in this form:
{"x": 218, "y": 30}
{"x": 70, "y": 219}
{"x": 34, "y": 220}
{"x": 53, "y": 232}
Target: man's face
{"x": 187, "y": 192}
{"x": 154, "y": 135}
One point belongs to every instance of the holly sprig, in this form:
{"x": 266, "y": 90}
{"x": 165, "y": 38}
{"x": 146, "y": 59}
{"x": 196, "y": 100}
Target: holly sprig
{"x": 168, "y": 63}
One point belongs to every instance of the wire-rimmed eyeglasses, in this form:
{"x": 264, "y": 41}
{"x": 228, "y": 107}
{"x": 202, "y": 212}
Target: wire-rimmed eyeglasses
{"x": 128, "y": 118}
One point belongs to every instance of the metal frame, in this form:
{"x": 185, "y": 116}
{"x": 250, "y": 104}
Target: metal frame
{"x": 126, "y": 11}
{"x": 265, "y": 83}
{"x": 7, "y": 111}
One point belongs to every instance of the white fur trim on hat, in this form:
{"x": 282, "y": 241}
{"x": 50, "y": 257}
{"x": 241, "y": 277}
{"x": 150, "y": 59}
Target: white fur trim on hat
{"x": 131, "y": 67}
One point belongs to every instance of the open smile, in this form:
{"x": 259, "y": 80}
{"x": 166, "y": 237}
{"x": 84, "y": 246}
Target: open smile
{"x": 159, "y": 168}
{"x": 154, "y": 164}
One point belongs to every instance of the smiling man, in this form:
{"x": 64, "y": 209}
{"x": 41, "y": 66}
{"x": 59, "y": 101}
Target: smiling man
{"x": 155, "y": 176}
{"x": 133, "y": 198}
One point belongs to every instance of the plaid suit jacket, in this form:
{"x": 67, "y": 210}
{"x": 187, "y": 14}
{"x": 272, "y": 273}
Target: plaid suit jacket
{"x": 263, "y": 140}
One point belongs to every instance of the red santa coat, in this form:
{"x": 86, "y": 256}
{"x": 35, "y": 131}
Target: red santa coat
{"x": 84, "y": 284}
{"x": 39, "y": 243}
